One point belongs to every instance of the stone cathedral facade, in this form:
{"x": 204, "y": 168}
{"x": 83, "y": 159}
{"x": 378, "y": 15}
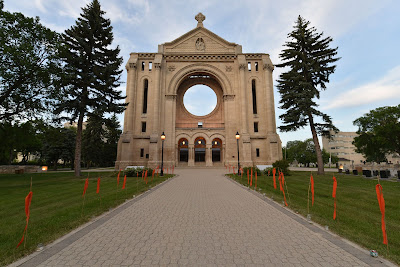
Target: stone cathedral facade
{"x": 155, "y": 88}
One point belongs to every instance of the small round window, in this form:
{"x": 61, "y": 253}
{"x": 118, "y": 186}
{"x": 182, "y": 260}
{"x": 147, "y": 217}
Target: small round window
{"x": 200, "y": 100}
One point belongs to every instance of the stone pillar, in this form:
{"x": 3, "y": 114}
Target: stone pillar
{"x": 208, "y": 155}
{"x": 268, "y": 68}
{"x": 245, "y": 151}
{"x": 155, "y": 148}
{"x": 191, "y": 155}
{"x": 131, "y": 86}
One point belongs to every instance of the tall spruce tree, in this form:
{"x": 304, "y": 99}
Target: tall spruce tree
{"x": 308, "y": 59}
{"x": 92, "y": 71}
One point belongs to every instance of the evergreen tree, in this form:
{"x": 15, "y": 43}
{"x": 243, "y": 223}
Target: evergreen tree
{"x": 92, "y": 69}
{"x": 93, "y": 141}
{"x": 308, "y": 59}
{"x": 112, "y": 134}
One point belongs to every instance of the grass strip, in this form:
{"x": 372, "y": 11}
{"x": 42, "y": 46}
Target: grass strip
{"x": 56, "y": 207}
{"x": 358, "y": 215}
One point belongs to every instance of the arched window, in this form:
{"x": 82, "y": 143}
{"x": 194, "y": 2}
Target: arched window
{"x": 253, "y": 91}
{"x": 145, "y": 93}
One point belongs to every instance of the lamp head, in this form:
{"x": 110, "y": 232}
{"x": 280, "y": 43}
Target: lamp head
{"x": 163, "y": 136}
{"x": 237, "y": 135}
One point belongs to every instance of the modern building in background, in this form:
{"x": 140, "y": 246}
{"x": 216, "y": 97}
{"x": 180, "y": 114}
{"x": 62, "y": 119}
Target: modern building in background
{"x": 341, "y": 145}
{"x": 157, "y": 83}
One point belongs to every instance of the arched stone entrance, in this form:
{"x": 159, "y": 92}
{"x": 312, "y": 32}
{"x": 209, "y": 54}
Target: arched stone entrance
{"x": 183, "y": 151}
{"x": 216, "y": 150}
{"x": 200, "y": 150}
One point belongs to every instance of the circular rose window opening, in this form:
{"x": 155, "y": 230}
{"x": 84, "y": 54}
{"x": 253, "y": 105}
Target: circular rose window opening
{"x": 200, "y": 100}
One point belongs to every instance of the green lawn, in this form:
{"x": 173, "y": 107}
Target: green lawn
{"x": 56, "y": 207}
{"x": 358, "y": 215}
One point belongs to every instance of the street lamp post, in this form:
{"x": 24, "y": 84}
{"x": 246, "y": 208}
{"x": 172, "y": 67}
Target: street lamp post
{"x": 162, "y": 154}
{"x": 237, "y": 142}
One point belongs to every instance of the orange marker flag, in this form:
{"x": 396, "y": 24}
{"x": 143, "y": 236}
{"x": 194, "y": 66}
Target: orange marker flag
{"x": 28, "y": 200}
{"x": 334, "y": 196}
{"x": 312, "y": 189}
{"x": 273, "y": 173}
{"x": 381, "y": 202}
{"x": 251, "y": 177}
{"x": 86, "y": 186}
{"x": 248, "y": 178}
{"x": 241, "y": 173}
{"x": 281, "y": 181}
{"x": 256, "y": 179}
{"x": 152, "y": 175}
{"x": 118, "y": 177}
{"x": 124, "y": 184}
{"x": 145, "y": 176}
{"x": 98, "y": 185}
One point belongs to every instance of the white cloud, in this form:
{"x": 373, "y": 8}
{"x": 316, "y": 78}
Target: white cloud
{"x": 388, "y": 87}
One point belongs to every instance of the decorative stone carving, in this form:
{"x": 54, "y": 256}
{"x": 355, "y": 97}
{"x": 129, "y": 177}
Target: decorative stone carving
{"x": 157, "y": 65}
{"x": 200, "y": 45}
{"x": 171, "y": 68}
{"x": 268, "y": 66}
{"x": 229, "y": 97}
{"x": 228, "y": 68}
{"x": 132, "y": 65}
{"x": 200, "y": 18}
{"x": 242, "y": 66}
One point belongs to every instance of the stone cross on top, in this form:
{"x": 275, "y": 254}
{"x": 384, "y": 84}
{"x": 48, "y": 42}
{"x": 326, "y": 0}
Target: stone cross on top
{"x": 200, "y": 18}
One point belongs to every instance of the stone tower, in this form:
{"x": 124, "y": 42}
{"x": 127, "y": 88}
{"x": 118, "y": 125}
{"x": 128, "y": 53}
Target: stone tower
{"x": 155, "y": 88}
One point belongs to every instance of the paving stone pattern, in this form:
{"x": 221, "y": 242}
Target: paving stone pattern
{"x": 200, "y": 218}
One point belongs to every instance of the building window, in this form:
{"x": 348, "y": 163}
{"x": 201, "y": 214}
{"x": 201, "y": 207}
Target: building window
{"x": 145, "y": 93}
{"x": 147, "y": 156}
{"x": 143, "y": 63}
{"x": 258, "y": 152}
{"x": 254, "y": 94}
{"x": 150, "y": 66}
{"x": 256, "y": 66}
{"x": 143, "y": 126}
{"x": 249, "y": 66}
{"x": 142, "y": 152}
{"x": 256, "y": 127}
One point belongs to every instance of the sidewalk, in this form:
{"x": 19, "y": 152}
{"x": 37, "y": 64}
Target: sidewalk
{"x": 202, "y": 218}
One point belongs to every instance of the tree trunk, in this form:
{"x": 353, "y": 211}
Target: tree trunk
{"x": 78, "y": 146}
{"x": 320, "y": 161}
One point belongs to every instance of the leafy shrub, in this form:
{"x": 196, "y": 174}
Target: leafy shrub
{"x": 266, "y": 170}
{"x": 282, "y": 165}
{"x": 134, "y": 172}
{"x": 255, "y": 169}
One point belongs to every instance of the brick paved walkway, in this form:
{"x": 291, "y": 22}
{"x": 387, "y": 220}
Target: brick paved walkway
{"x": 201, "y": 218}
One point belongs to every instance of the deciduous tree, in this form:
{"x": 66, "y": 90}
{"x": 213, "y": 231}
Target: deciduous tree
{"x": 309, "y": 63}
{"x": 379, "y": 133}
{"x": 29, "y": 66}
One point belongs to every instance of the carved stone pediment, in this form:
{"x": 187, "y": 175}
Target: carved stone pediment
{"x": 198, "y": 41}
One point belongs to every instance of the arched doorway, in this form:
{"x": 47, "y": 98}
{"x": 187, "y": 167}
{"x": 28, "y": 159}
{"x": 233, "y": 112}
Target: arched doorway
{"x": 183, "y": 150}
{"x": 216, "y": 150}
{"x": 200, "y": 149}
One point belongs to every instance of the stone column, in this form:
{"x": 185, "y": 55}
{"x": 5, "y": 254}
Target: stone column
{"x": 191, "y": 155}
{"x": 155, "y": 148}
{"x": 268, "y": 68}
{"x": 208, "y": 155}
{"x": 245, "y": 150}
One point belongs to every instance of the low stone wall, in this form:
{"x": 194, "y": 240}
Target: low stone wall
{"x": 19, "y": 169}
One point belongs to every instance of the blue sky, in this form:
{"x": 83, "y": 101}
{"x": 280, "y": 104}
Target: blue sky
{"x": 367, "y": 33}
